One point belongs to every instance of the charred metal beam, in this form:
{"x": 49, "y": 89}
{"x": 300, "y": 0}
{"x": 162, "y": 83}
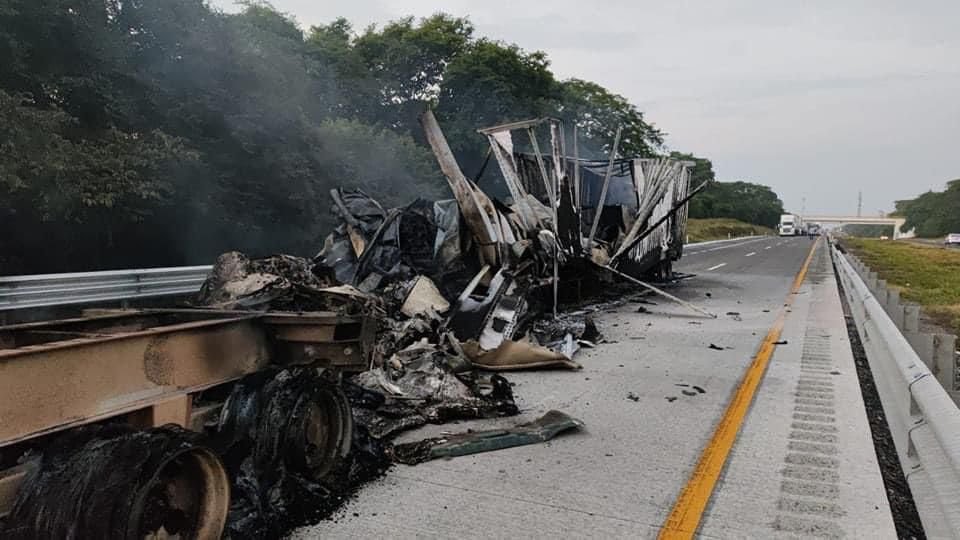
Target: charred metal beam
{"x": 606, "y": 185}
{"x": 471, "y": 206}
{"x": 523, "y": 124}
{"x": 661, "y": 292}
{"x": 676, "y": 208}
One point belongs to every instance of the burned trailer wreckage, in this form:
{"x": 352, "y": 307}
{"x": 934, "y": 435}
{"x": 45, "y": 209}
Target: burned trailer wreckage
{"x": 308, "y": 368}
{"x": 627, "y": 213}
{"x": 463, "y": 290}
{"x": 464, "y": 287}
{"x": 478, "y": 271}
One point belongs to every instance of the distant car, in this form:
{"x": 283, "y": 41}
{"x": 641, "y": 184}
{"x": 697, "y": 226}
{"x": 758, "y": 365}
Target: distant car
{"x": 952, "y": 239}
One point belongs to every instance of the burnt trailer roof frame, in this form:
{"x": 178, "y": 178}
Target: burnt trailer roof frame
{"x": 657, "y": 192}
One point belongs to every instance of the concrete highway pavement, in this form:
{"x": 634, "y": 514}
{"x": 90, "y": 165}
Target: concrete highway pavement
{"x": 803, "y": 464}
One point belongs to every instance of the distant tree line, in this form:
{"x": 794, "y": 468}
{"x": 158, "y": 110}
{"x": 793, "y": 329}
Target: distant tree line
{"x": 935, "y": 213}
{"x": 865, "y": 230}
{"x": 744, "y": 201}
{"x": 143, "y": 133}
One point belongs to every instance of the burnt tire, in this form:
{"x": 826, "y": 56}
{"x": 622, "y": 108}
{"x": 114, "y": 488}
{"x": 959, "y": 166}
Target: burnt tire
{"x": 295, "y": 419}
{"x": 116, "y": 482}
{"x": 283, "y": 434}
{"x": 305, "y": 421}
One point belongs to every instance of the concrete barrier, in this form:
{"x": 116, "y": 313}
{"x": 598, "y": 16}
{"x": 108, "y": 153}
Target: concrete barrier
{"x": 916, "y": 377}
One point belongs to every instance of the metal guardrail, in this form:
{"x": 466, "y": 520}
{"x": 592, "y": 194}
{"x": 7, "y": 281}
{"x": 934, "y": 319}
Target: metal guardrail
{"x": 43, "y": 290}
{"x": 924, "y": 421}
{"x": 721, "y": 241}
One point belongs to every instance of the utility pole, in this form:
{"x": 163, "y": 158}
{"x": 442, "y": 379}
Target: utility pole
{"x": 859, "y": 203}
{"x": 803, "y": 207}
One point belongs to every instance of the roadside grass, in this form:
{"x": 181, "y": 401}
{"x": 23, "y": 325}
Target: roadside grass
{"x": 926, "y": 274}
{"x": 703, "y": 230}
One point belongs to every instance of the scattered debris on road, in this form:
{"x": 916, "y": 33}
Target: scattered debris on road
{"x": 542, "y": 429}
{"x": 716, "y": 347}
{"x": 633, "y": 397}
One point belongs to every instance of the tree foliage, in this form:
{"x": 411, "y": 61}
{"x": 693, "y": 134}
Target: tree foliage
{"x": 745, "y": 201}
{"x": 138, "y": 133}
{"x": 865, "y": 230}
{"x": 700, "y": 172}
{"x": 934, "y": 213}
{"x": 597, "y": 113}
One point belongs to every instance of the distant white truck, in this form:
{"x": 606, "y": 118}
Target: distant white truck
{"x": 790, "y": 225}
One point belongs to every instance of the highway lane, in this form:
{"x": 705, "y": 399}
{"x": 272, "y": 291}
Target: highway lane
{"x": 804, "y": 462}
{"x": 622, "y": 475}
{"x": 735, "y": 256}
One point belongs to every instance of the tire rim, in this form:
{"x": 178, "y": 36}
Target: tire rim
{"x": 188, "y": 497}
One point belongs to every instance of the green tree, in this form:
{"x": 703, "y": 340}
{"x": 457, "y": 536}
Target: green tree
{"x": 745, "y": 201}
{"x": 54, "y": 187}
{"x": 390, "y": 167}
{"x": 488, "y": 84}
{"x": 409, "y": 61}
{"x": 598, "y": 113}
{"x": 162, "y": 133}
{"x": 868, "y": 231}
{"x": 934, "y": 213}
{"x": 702, "y": 170}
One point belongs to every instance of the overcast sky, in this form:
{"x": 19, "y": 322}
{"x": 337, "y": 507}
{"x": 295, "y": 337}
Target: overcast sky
{"x": 817, "y": 99}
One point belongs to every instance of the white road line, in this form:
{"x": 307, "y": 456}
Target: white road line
{"x": 768, "y": 247}
{"x": 717, "y": 266}
{"x": 723, "y": 245}
{"x": 751, "y": 254}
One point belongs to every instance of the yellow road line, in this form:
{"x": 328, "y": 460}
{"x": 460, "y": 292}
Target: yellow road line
{"x": 684, "y": 518}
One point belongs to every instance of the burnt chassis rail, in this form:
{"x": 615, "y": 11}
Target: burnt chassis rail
{"x": 146, "y": 366}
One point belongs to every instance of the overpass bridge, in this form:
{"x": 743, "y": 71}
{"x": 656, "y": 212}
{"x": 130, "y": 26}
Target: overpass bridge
{"x": 896, "y": 222}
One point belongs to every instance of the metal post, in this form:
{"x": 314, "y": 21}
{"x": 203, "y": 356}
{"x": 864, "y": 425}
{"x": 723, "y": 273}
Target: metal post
{"x": 606, "y": 183}
{"x": 661, "y": 292}
{"x": 577, "y": 203}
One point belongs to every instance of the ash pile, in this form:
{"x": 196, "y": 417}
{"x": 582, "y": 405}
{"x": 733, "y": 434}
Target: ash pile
{"x": 467, "y": 288}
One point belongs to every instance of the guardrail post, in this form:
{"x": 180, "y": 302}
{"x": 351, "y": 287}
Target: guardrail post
{"x": 944, "y": 353}
{"x": 922, "y": 344}
{"x": 911, "y": 318}
{"x": 880, "y": 293}
{"x": 872, "y": 280}
{"x": 893, "y": 307}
